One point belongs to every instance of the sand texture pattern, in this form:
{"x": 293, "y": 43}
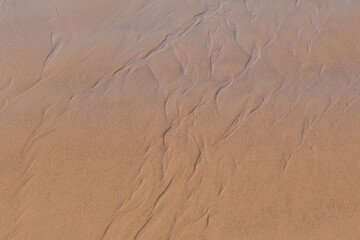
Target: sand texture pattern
{"x": 179, "y": 120}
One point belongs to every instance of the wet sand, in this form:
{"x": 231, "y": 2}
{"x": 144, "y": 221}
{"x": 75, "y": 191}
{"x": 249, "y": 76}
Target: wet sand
{"x": 194, "y": 119}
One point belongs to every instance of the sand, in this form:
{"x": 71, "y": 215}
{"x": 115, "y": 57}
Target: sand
{"x": 180, "y": 120}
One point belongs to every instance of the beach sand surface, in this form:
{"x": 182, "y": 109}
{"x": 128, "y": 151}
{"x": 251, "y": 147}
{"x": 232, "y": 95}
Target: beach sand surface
{"x": 180, "y": 120}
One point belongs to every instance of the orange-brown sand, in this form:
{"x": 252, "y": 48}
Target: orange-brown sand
{"x": 180, "y": 120}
